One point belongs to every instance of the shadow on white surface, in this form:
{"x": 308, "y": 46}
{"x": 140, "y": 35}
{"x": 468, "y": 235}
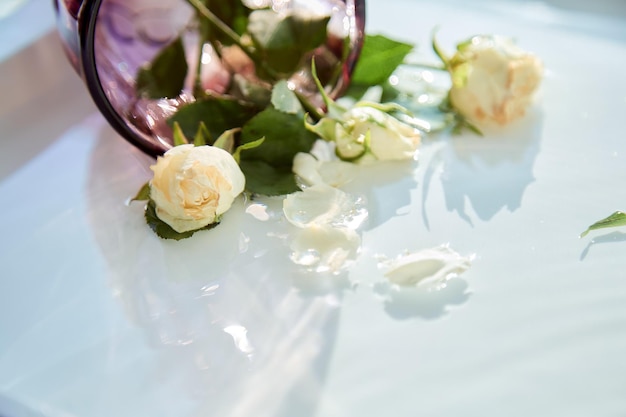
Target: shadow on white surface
{"x": 429, "y": 304}
{"x": 612, "y": 237}
{"x": 23, "y": 22}
{"x": 42, "y": 98}
{"x": 483, "y": 175}
{"x": 12, "y": 408}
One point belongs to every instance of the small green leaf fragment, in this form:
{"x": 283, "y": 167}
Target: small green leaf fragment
{"x": 614, "y": 220}
{"x": 143, "y": 194}
{"x": 285, "y": 99}
{"x": 326, "y": 128}
{"x": 164, "y": 230}
{"x": 165, "y": 76}
{"x": 179, "y": 137}
{"x": 462, "y": 46}
{"x": 473, "y": 128}
{"x": 245, "y": 147}
{"x": 226, "y": 140}
{"x": 203, "y": 136}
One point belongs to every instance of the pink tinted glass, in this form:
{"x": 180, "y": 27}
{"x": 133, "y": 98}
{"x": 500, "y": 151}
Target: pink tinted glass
{"x": 107, "y": 41}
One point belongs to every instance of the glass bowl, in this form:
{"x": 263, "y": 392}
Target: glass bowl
{"x": 108, "y": 42}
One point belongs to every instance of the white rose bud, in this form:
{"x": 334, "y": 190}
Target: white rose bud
{"x": 493, "y": 80}
{"x": 194, "y": 185}
{"x": 389, "y": 138}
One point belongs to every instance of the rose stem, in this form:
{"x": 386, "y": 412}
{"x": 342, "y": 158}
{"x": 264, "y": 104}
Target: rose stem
{"x": 232, "y": 35}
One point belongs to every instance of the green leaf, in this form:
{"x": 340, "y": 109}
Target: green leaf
{"x": 266, "y": 179}
{"x": 203, "y": 136}
{"x": 221, "y": 21}
{"x": 179, "y": 137}
{"x": 274, "y": 31}
{"x": 143, "y": 194}
{"x": 270, "y": 31}
{"x": 614, "y": 220}
{"x": 282, "y": 40}
{"x": 309, "y": 30}
{"x": 326, "y": 128}
{"x": 164, "y": 230}
{"x": 379, "y": 59}
{"x": 218, "y": 115}
{"x": 268, "y": 168}
{"x": 245, "y": 147}
{"x": 252, "y": 92}
{"x": 165, "y": 76}
{"x": 226, "y": 140}
{"x": 285, "y": 136}
{"x": 233, "y": 13}
{"x": 356, "y": 91}
{"x": 285, "y": 99}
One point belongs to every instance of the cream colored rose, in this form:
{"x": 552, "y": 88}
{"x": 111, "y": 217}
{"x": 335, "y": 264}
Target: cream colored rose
{"x": 194, "y": 185}
{"x": 493, "y": 80}
{"x": 368, "y": 131}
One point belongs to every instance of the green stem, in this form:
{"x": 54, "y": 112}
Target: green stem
{"x": 232, "y": 35}
{"x": 315, "y": 114}
{"x": 439, "y": 52}
{"x": 205, "y": 36}
{"x": 425, "y": 66}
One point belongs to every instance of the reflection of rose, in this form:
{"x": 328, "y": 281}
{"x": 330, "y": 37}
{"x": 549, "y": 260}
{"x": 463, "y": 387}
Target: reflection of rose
{"x": 193, "y": 186}
{"x": 493, "y": 80}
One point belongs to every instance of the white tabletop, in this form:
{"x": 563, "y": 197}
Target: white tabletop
{"x": 100, "y": 318}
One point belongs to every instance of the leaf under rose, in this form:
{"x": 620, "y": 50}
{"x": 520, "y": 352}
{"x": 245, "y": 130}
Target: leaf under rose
{"x": 268, "y": 168}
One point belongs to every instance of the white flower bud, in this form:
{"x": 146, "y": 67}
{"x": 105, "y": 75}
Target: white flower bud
{"x": 193, "y": 186}
{"x": 370, "y": 130}
{"x": 493, "y": 80}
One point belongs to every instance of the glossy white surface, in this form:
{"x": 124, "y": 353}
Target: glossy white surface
{"x": 98, "y": 317}
{"x": 22, "y": 22}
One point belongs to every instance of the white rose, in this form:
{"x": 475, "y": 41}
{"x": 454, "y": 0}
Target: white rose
{"x": 493, "y": 80}
{"x": 194, "y": 185}
{"x": 322, "y": 166}
{"x": 434, "y": 265}
{"x": 368, "y": 130}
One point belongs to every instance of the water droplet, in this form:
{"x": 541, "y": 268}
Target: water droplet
{"x": 244, "y": 243}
